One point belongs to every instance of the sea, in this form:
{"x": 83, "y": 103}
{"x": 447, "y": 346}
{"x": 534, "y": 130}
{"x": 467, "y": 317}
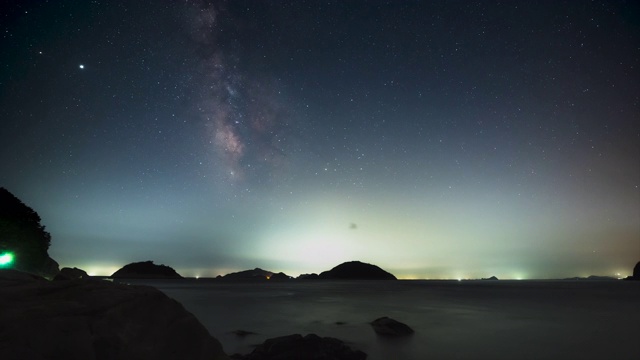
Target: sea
{"x": 469, "y": 319}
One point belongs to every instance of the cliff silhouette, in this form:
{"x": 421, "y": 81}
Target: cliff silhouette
{"x": 23, "y": 239}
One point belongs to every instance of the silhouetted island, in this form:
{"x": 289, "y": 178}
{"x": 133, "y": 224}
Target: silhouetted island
{"x": 592, "y": 278}
{"x": 356, "y": 270}
{"x": 490, "y": 278}
{"x": 146, "y": 270}
{"x": 256, "y": 274}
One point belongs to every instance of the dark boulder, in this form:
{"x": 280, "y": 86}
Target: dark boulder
{"x": 96, "y": 320}
{"x": 356, "y": 270}
{"x": 296, "y": 347}
{"x": 146, "y": 270}
{"x": 385, "y": 326}
{"x": 71, "y": 274}
{"x": 49, "y": 268}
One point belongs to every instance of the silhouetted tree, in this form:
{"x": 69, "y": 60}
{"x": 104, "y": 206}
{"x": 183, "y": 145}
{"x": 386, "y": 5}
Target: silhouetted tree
{"x": 22, "y": 234}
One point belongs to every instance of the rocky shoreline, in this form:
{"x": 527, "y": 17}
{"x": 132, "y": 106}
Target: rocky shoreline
{"x": 78, "y": 317}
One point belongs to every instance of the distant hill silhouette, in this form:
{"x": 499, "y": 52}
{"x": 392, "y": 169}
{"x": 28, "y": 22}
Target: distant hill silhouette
{"x": 312, "y": 276}
{"x": 280, "y": 276}
{"x": 592, "y": 278}
{"x": 490, "y": 278}
{"x": 356, "y": 270}
{"x": 22, "y": 235}
{"x": 146, "y": 270}
{"x": 256, "y": 274}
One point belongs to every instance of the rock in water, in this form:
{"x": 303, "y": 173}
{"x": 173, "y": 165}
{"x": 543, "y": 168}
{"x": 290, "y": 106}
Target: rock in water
{"x": 297, "y": 347}
{"x": 385, "y": 326}
{"x": 43, "y": 319}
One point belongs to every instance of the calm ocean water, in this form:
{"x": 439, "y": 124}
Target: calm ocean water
{"x": 452, "y": 320}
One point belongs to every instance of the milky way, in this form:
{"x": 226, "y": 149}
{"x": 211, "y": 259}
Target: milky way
{"x": 245, "y": 118}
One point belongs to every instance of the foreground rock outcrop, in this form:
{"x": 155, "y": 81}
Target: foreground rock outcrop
{"x": 356, "y": 270}
{"x": 385, "y": 326}
{"x": 296, "y": 347}
{"x": 80, "y": 319}
{"x": 146, "y": 270}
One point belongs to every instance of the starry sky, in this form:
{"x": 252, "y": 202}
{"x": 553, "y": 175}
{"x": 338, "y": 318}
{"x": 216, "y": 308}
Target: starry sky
{"x": 436, "y": 139}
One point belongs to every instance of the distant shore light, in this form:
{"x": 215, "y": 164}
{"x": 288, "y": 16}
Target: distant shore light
{"x": 6, "y": 259}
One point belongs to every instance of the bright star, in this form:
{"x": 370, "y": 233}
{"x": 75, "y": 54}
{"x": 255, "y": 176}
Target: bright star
{"x": 81, "y": 66}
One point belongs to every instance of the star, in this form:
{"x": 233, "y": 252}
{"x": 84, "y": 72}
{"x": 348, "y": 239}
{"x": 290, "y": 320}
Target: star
{"x": 81, "y": 66}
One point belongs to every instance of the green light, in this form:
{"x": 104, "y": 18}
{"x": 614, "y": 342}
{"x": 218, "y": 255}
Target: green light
{"x": 6, "y": 259}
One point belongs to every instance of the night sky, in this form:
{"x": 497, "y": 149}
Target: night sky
{"x": 435, "y": 139}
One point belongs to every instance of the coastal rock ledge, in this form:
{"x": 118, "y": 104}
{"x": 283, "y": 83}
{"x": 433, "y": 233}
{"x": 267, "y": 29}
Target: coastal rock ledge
{"x": 84, "y": 319}
{"x": 296, "y": 347}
